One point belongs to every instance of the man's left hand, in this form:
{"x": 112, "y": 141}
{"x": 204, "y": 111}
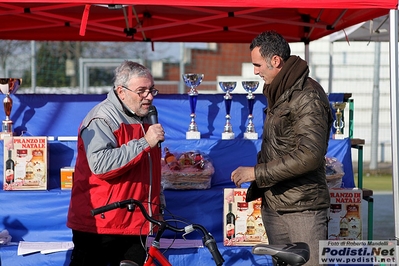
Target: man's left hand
{"x": 243, "y": 174}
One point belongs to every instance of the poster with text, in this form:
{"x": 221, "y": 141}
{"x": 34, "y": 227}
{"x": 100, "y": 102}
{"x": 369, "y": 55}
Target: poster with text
{"x": 242, "y": 223}
{"x": 345, "y": 220}
{"x": 25, "y": 163}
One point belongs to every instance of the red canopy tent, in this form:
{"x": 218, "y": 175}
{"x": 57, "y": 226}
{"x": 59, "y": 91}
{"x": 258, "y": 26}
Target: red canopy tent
{"x": 230, "y": 21}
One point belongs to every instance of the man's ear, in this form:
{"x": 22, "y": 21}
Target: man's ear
{"x": 120, "y": 92}
{"x": 277, "y": 61}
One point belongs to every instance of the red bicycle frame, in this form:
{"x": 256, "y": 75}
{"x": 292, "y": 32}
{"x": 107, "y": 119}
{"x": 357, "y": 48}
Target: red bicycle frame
{"x": 155, "y": 254}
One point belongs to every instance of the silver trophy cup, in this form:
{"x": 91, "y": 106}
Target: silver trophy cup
{"x": 250, "y": 87}
{"x": 193, "y": 81}
{"x": 228, "y": 87}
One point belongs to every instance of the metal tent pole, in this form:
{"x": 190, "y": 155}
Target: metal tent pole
{"x": 375, "y": 107}
{"x": 393, "y": 54}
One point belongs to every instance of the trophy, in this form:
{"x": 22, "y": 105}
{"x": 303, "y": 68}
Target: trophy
{"x": 193, "y": 81}
{"x": 339, "y": 123}
{"x": 250, "y": 87}
{"x": 8, "y": 86}
{"x": 228, "y": 87}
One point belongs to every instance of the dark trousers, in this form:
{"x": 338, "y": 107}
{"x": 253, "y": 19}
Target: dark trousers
{"x": 305, "y": 226}
{"x": 106, "y": 250}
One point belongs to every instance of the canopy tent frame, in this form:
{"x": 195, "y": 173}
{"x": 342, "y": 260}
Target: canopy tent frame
{"x": 229, "y": 21}
{"x": 393, "y": 49}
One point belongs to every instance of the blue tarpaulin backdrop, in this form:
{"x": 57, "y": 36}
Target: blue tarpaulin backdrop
{"x": 41, "y": 215}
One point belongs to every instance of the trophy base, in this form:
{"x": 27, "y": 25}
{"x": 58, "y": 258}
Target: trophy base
{"x": 338, "y": 136}
{"x": 250, "y": 135}
{"x": 5, "y": 134}
{"x": 193, "y": 135}
{"x": 228, "y": 135}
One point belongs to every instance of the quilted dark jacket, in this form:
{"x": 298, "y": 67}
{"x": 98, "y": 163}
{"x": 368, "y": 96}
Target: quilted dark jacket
{"x": 290, "y": 172}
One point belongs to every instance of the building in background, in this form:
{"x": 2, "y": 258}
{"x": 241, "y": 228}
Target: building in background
{"x": 340, "y": 67}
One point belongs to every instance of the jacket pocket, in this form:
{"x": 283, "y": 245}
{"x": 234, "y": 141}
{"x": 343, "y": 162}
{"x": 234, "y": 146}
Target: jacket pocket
{"x": 293, "y": 198}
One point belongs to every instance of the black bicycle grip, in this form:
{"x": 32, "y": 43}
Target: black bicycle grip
{"x": 210, "y": 243}
{"x": 105, "y": 208}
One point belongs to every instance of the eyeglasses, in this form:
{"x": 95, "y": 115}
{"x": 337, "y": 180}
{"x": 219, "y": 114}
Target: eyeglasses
{"x": 144, "y": 93}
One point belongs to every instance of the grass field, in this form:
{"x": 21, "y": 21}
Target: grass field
{"x": 381, "y": 182}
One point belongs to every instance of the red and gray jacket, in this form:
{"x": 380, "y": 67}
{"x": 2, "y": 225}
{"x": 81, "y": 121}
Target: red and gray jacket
{"x": 114, "y": 163}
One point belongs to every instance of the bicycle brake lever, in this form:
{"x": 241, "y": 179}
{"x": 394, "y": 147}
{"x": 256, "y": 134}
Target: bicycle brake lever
{"x": 188, "y": 229}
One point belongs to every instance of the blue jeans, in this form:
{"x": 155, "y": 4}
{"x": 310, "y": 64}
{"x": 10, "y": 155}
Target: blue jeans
{"x": 303, "y": 226}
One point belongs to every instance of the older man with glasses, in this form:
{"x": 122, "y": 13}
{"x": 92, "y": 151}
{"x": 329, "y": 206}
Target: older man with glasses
{"x": 118, "y": 158}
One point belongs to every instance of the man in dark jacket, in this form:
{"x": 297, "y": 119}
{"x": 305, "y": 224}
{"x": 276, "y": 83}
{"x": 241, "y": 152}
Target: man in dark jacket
{"x": 290, "y": 172}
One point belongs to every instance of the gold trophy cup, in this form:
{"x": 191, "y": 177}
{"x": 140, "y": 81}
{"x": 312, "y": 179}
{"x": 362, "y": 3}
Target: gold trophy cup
{"x": 8, "y": 86}
{"x": 339, "y": 123}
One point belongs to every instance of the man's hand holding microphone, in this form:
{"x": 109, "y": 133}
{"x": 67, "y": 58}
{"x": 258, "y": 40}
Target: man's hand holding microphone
{"x": 155, "y": 134}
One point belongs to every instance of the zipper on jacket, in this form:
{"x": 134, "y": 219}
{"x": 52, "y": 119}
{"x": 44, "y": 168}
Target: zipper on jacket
{"x": 106, "y": 202}
{"x": 150, "y": 185}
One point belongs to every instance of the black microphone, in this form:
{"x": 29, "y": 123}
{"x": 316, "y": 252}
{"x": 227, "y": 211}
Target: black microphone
{"x": 153, "y": 117}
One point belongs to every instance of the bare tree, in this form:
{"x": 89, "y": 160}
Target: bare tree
{"x": 15, "y": 50}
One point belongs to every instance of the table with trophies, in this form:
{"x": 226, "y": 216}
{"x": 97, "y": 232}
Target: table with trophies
{"x": 221, "y": 126}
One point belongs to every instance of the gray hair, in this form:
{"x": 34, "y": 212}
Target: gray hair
{"x": 271, "y": 43}
{"x": 127, "y": 70}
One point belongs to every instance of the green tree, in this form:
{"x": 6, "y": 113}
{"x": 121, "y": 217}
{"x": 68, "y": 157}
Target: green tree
{"x": 50, "y": 65}
{"x": 57, "y": 63}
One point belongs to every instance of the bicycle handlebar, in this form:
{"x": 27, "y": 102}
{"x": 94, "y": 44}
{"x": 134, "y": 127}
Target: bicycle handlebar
{"x": 208, "y": 240}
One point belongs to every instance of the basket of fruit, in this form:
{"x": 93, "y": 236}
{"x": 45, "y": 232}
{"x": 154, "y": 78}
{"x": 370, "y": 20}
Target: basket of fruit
{"x": 334, "y": 172}
{"x": 187, "y": 170}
